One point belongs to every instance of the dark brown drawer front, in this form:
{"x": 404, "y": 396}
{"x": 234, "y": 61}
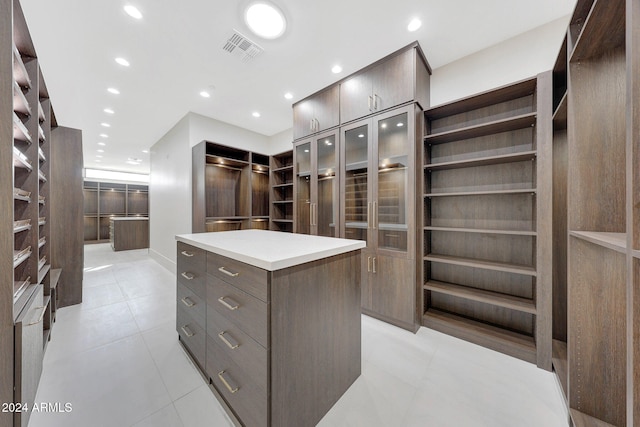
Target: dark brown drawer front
{"x": 195, "y": 256}
{"x": 193, "y": 277}
{"x": 244, "y": 396}
{"x": 192, "y": 304}
{"x": 250, "y": 279}
{"x": 239, "y": 347}
{"x": 245, "y": 311}
{"x": 193, "y": 335}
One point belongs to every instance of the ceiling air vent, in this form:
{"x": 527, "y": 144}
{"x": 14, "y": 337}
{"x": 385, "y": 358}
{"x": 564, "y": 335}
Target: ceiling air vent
{"x": 243, "y": 47}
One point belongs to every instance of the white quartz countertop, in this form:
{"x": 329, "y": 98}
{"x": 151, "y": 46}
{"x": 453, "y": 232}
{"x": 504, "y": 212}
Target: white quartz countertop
{"x": 270, "y": 250}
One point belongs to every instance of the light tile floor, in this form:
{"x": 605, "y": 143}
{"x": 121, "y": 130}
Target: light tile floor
{"x": 117, "y": 360}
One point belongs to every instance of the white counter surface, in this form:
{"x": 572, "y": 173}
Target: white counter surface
{"x": 270, "y": 250}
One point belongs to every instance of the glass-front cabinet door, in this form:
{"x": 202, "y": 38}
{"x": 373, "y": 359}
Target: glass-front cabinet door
{"x": 392, "y": 209}
{"x": 303, "y": 187}
{"x": 316, "y": 186}
{"x": 325, "y": 208}
{"x": 355, "y": 171}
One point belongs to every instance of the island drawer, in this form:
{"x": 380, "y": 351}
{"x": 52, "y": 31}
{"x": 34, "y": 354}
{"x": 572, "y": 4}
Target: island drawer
{"x": 192, "y": 335}
{"x": 193, "y": 278}
{"x": 247, "y": 312}
{"x": 247, "y": 353}
{"x": 193, "y": 304}
{"x": 246, "y": 398}
{"x": 195, "y": 257}
{"x": 250, "y": 279}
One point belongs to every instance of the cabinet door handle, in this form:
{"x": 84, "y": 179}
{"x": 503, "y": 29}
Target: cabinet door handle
{"x": 232, "y": 345}
{"x": 187, "y": 254}
{"x": 370, "y": 102}
{"x": 369, "y": 215}
{"x": 368, "y": 264}
{"x": 311, "y": 124}
{"x": 186, "y": 331}
{"x": 375, "y": 101}
{"x": 232, "y": 389}
{"x": 233, "y": 306}
{"x": 227, "y": 272}
{"x": 375, "y": 215}
{"x": 187, "y": 301}
{"x": 187, "y": 275}
{"x": 374, "y": 265}
{"x": 315, "y": 214}
{"x": 44, "y": 309}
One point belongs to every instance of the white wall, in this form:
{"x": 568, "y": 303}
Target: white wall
{"x": 204, "y": 128}
{"x": 515, "y": 59}
{"x": 281, "y": 142}
{"x": 170, "y": 192}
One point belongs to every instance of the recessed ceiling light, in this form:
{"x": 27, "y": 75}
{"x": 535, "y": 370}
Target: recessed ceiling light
{"x": 205, "y": 94}
{"x": 336, "y": 69}
{"x": 133, "y": 11}
{"x": 265, "y": 20}
{"x": 109, "y": 111}
{"x": 107, "y": 125}
{"x": 361, "y": 135}
{"x": 102, "y": 144}
{"x": 288, "y": 95}
{"x": 97, "y": 160}
{"x": 104, "y": 135}
{"x": 255, "y": 114}
{"x": 100, "y": 151}
{"x": 99, "y": 156}
{"x": 145, "y": 151}
{"x": 414, "y": 24}
{"x": 113, "y": 90}
{"x": 122, "y": 62}
{"x": 400, "y": 124}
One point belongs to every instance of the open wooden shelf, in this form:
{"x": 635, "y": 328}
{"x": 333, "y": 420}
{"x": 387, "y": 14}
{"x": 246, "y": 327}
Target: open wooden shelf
{"x": 484, "y": 99}
{"x": 482, "y": 231}
{"x": 560, "y": 364}
{"x": 41, "y": 115}
{"x": 21, "y": 225}
{"x": 283, "y": 169}
{"x": 580, "y": 419}
{"x": 20, "y": 256}
{"x": 19, "y": 70}
{"x": 225, "y": 161}
{"x": 288, "y": 221}
{"x": 560, "y": 115}
{"x": 495, "y": 338}
{"x": 497, "y": 126}
{"x": 603, "y": 30}
{"x": 483, "y": 161}
{"x": 487, "y": 265}
{"x": 614, "y": 241}
{"x": 20, "y": 132}
{"x": 482, "y": 192}
{"x": 481, "y": 295}
{"x": 20, "y": 103}
{"x": 20, "y": 160}
{"x": 54, "y": 277}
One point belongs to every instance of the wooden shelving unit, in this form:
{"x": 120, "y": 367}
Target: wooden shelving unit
{"x": 282, "y": 192}
{"x": 486, "y": 219}
{"x": 106, "y": 200}
{"x": 230, "y": 188}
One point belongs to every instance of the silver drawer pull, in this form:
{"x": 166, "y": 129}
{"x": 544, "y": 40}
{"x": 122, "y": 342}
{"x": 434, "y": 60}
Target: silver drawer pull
{"x": 232, "y": 345}
{"x": 187, "y": 254}
{"x": 187, "y": 275}
{"x": 44, "y": 309}
{"x": 187, "y": 301}
{"x": 227, "y": 272}
{"x": 235, "y": 305}
{"x": 232, "y": 389}
{"x": 187, "y": 331}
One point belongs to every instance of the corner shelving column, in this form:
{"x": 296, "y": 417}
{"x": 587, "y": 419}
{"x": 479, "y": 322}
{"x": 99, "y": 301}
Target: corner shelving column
{"x": 487, "y": 219}
{"x": 259, "y": 191}
{"x": 282, "y": 192}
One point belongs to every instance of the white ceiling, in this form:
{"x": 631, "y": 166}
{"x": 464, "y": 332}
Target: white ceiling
{"x": 175, "y": 52}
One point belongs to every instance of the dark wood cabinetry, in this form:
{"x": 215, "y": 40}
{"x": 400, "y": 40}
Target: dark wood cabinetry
{"x": 596, "y": 226}
{"x": 487, "y": 219}
{"x": 106, "y": 200}
{"x": 129, "y": 233}
{"x": 282, "y": 192}
{"x": 230, "y": 188}
{"x": 31, "y": 179}
{"x": 266, "y": 362}
{"x": 316, "y": 185}
{"x": 316, "y": 113}
{"x": 394, "y": 80}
